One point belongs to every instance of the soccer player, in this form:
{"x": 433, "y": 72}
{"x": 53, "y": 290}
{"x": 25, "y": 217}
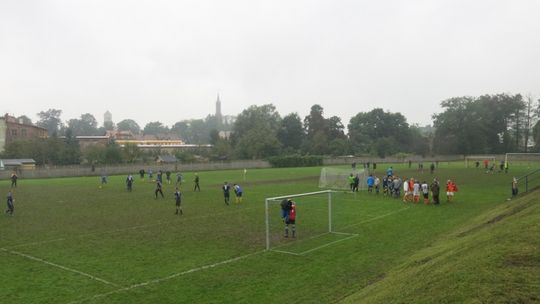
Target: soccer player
{"x": 416, "y": 192}
{"x": 10, "y": 201}
{"x": 14, "y": 178}
{"x": 351, "y": 182}
{"x": 505, "y": 167}
{"x": 141, "y": 173}
{"x": 385, "y": 185}
{"x": 178, "y": 200}
{"x": 514, "y": 187}
{"x": 159, "y": 189}
{"x": 405, "y": 191}
{"x": 238, "y": 193}
{"x": 451, "y": 188}
{"x": 284, "y": 208}
{"x": 168, "y": 176}
{"x": 129, "y": 183}
{"x": 291, "y": 219}
{"x": 370, "y": 182}
{"x": 377, "y": 184}
{"x": 356, "y": 183}
{"x": 178, "y": 179}
{"x": 431, "y": 168}
{"x": 397, "y": 186}
{"x": 425, "y": 192}
{"x": 486, "y": 163}
{"x": 150, "y": 174}
{"x": 226, "y": 193}
{"x": 196, "y": 181}
{"x": 159, "y": 176}
{"x": 389, "y": 171}
{"x": 103, "y": 180}
{"x": 435, "y": 189}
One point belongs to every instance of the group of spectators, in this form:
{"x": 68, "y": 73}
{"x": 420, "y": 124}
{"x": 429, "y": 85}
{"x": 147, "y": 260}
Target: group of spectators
{"x": 409, "y": 189}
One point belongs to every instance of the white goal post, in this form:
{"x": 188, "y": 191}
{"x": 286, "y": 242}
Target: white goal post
{"x": 528, "y": 157}
{"x": 278, "y": 198}
{"x": 338, "y": 178}
{"x": 479, "y": 158}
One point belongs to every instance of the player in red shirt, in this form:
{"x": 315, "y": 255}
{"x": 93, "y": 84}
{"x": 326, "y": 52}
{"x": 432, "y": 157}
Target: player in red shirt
{"x": 451, "y": 188}
{"x": 290, "y": 219}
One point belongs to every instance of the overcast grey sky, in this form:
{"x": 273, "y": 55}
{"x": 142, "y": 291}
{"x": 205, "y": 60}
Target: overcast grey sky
{"x": 167, "y": 60}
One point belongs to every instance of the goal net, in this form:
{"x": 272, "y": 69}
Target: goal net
{"x": 470, "y": 160}
{"x": 315, "y": 223}
{"x": 338, "y": 178}
{"x": 528, "y": 159}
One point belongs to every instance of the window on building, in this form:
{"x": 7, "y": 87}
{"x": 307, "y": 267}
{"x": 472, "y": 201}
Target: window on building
{"x": 14, "y": 132}
{"x": 23, "y": 132}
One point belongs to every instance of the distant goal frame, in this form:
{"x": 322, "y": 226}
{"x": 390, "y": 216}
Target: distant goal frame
{"x": 330, "y": 224}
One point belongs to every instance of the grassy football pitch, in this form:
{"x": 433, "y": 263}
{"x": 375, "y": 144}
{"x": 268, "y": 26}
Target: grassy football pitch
{"x": 70, "y": 241}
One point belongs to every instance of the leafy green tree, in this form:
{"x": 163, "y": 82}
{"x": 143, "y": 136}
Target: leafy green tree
{"x": 155, "y": 128}
{"x": 50, "y": 120}
{"x": 129, "y": 125}
{"x": 70, "y": 153}
{"x": 291, "y": 132}
{"x": 86, "y": 125}
{"x": 256, "y": 144}
{"x": 379, "y": 132}
{"x": 255, "y": 132}
{"x": 131, "y": 152}
{"x": 263, "y": 117}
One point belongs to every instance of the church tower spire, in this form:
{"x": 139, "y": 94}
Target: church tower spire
{"x": 219, "y": 117}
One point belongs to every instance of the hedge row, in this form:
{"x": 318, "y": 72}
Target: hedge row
{"x": 295, "y": 161}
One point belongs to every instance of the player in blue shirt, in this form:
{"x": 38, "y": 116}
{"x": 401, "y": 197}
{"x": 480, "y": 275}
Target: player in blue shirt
{"x": 10, "y": 201}
{"x": 238, "y": 192}
{"x": 370, "y": 181}
{"x": 390, "y": 171}
{"x": 178, "y": 200}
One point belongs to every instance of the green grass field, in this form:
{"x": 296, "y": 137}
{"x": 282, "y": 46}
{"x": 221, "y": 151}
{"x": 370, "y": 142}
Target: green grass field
{"x": 72, "y": 242}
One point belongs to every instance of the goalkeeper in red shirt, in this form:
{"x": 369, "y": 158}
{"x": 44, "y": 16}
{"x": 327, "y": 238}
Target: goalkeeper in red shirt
{"x": 290, "y": 219}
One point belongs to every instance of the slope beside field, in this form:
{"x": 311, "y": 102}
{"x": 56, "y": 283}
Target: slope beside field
{"x": 494, "y": 258}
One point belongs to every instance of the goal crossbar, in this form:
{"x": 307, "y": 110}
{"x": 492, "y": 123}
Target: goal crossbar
{"x": 298, "y": 195}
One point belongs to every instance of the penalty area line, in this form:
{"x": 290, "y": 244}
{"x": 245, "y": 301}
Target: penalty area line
{"x": 172, "y": 276}
{"x": 33, "y": 258}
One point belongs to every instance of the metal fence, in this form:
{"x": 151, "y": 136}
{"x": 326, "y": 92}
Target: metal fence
{"x": 80, "y": 170}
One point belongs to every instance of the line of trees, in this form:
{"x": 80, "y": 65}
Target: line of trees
{"x": 467, "y": 125}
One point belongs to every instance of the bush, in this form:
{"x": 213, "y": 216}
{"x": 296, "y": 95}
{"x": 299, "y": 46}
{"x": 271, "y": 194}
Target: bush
{"x": 295, "y": 161}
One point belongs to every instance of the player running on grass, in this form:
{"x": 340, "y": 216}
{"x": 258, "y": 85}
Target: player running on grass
{"x": 178, "y": 200}
{"x": 159, "y": 189}
{"x": 10, "y": 201}
{"x": 129, "y": 183}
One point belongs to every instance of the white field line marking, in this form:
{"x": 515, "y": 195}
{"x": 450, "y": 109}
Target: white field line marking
{"x": 328, "y": 244}
{"x": 335, "y": 232}
{"x": 286, "y": 252}
{"x": 172, "y": 276}
{"x": 59, "y": 266}
{"x": 159, "y": 223}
